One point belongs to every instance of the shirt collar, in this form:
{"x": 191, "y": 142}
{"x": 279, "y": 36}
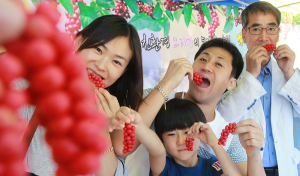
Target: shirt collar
{"x": 267, "y": 69}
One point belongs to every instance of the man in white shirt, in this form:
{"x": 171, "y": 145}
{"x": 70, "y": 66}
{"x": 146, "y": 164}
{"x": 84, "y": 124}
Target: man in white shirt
{"x": 269, "y": 90}
{"x": 220, "y": 64}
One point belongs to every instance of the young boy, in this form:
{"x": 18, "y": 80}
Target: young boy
{"x": 180, "y": 120}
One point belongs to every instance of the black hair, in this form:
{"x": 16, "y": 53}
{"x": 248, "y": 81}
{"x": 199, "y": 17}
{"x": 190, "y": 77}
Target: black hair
{"x": 129, "y": 87}
{"x": 260, "y": 6}
{"x": 237, "y": 59}
{"x": 179, "y": 114}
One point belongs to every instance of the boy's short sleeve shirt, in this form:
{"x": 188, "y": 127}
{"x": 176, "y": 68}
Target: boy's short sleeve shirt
{"x": 205, "y": 167}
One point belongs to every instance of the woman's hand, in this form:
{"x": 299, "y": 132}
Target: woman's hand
{"x": 124, "y": 115}
{"x": 107, "y": 103}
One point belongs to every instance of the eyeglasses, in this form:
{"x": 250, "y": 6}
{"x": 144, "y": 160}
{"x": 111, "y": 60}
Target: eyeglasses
{"x": 258, "y": 30}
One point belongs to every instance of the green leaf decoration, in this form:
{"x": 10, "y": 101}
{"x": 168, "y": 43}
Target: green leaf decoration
{"x": 96, "y": 7}
{"x": 104, "y": 12}
{"x": 282, "y": 17}
{"x": 137, "y": 22}
{"x": 170, "y": 15}
{"x": 236, "y": 12}
{"x": 187, "y": 11}
{"x": 206, "y": 12}
{"x": 228, "y": 11}
{"x": 290, "y": 17}
{"x": 220, "y": 9}
{"x": 149, "y": 23}
{"x": 228, "y": 25}
{"x": 296, "y": 18}
{"x": 106, "y": 3}
{"x": 142, "y": 21}
{"x": 36, "y": 2}
{"x": 67, "y": 4}
{"x": 194, "y": 20}
{"x": 157, "y": 12}
{"x": 166, "y": 26}
{"x": 133, "y": 6}
{"x": 87, "y": 14}
{"x": 177, "y": 14}
{"x": 149, "y": 2}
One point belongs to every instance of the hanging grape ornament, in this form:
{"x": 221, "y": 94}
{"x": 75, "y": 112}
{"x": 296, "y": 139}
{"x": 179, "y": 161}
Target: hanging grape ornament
{"x": 59, "y": 90}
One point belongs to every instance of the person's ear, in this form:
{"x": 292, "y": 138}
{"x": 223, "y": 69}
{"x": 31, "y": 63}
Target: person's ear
{"x": 231, "y": 83}
{"x": 244, "y": 35}
{"x": 77, "y": 42}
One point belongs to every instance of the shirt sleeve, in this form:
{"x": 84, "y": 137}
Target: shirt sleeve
{"x": 232, "y": 107}
{"x": 167, "y": 169}
{"x": 216, "y": 169}
{"x": 121, "y": 168}
{"x": 236, "y": 151}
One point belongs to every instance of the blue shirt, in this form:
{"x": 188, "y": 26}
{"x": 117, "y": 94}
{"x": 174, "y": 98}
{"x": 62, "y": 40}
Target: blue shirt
{"x": 265, "y": 78}
{"x": 205, "y": 167}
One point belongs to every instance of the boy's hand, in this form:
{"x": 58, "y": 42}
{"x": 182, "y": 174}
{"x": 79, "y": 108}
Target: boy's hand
{"x": 124, "y": 115}
{"x": 206, "y": 135}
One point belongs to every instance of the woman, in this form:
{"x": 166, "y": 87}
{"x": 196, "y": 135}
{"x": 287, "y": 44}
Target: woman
{"x": 111, "y": 50}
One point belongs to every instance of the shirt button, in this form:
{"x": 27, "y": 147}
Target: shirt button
{"x": 267, "y": 98}
{"x": 273, "y": 153}
{"x": 267, "y": 116}
{"x": 270, "y": 134}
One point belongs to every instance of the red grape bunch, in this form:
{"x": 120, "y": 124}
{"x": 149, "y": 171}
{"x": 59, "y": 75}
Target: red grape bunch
{"x": 121, "y": 9}
{"x": 270, "y": 47}
{"x": 96, "y": 80}
{"x": 197, "y": 78}
{"x": 73, "y": 23}
{"x": 201, "y": 20}
{"x": 189, "y": 143}
{"x": 129, "y": 137}
{"x": 148, "y": 9}
{"x": 171, "y": 5}
{"x": 215, "y": 23}
{"x": 59, "y": 89}
{"x": 230, "y": 128}
{"x": 12, "y": 127}
{"x": 238, "y": 21}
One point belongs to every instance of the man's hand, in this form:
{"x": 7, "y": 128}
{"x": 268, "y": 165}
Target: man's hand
{"x": 255, "y": 57}
{"x": 251, "y": 136}
{"x": 177, "y": 70}
{"x": 285, "y": 59}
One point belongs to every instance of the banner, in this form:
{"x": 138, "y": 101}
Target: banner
{"x": 170, "y": 29}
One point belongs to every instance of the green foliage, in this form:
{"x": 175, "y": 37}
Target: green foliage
{"x": 177, "y": 14}
{"x": 228, "y": 25}
{"x": 187, "y": 12}
{"x": 87, "y": 14}
{"x": 206, "y": 12}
